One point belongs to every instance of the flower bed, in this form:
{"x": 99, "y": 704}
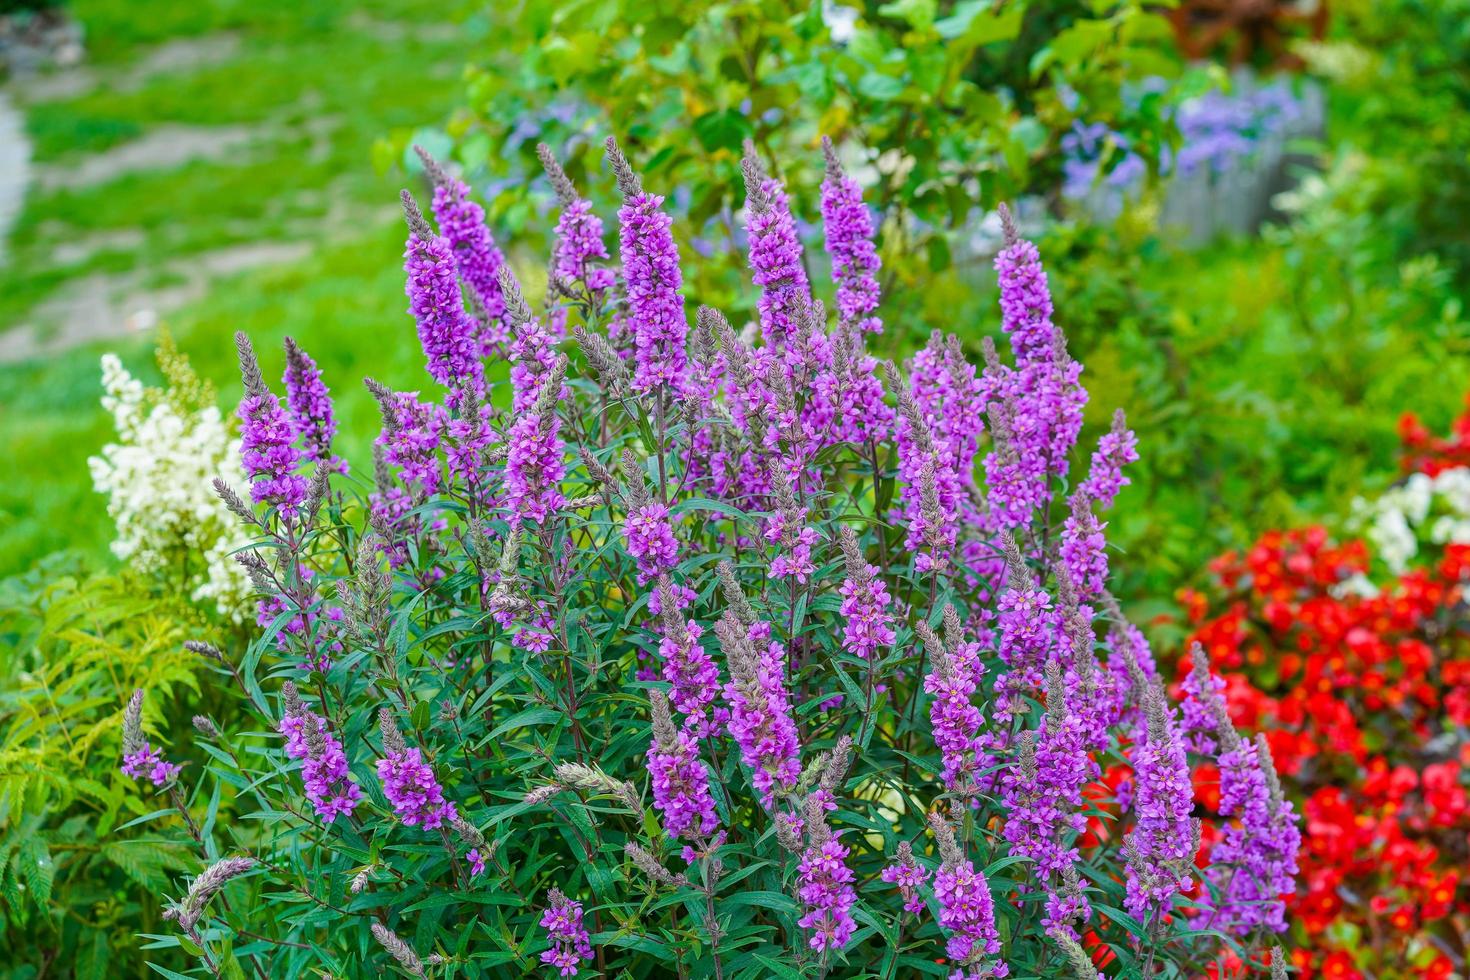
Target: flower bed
{"x": 702, "y": 652}
{"x": 1355, "y": 660}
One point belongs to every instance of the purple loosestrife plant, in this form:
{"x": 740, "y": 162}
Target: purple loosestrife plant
{"x": 882, "y": 684}
{"x": 446, "y": 331}
{"x": 140, "y": 759}
{"x": 311, "y": 407}
{"x": 476, "y": 256}
{"x": 855, "y": 262}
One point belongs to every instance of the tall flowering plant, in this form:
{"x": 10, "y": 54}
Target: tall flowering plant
{"x": 674, "y": 648}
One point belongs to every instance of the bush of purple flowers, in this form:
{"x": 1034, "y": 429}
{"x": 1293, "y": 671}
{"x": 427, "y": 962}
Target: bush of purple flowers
{"x": 694, "y": 650}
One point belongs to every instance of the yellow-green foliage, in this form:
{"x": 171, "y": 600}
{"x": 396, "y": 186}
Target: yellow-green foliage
{"x": 74, "y": 880}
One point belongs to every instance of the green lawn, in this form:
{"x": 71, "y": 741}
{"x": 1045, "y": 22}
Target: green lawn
{"x": 313, "y": 87}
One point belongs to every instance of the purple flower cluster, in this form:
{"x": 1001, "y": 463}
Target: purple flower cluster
{"x": 794, "y": 538}
{"x": 855, "y": 262}
{"x": 268, "y": 452}
{"x": 570, "y": 943}
{"x": 1162, "y": 845}
{"x": 149, "y": 763}
{"x": 967, "y": 913}
{"x": 476, "y": 257}
{"x": 1043, "y": 792}
{"x": 410, "y": 786}
{"x": 694, "y": 678}
{"x": 650, "y": 540}
{"x": 410, "y": 442}
{"x": 651, "y": 277}
{"x": 1254, "y": 863}
{"x": 140, "y": 759}
{"x": 1026, "y": 627}
{"x": 826, "y": 890}
{"x": 1036, "y": 413}
{"x": 310, "y": 405}
{"x": 1115, "y": 449}
{"x": 329, "y": 785}
{"x": 909, "y": 875}
{"x": 680, "y": 782}
{"x": 1084, "y": 549}
{"x": 868, "y": 622}
{"x": 579, "y": 245}
{"x": 535, "y": 465}
{"x": 446, "y": 331}
{"x": 775, "y": 255}
{"x": 760, "y": 709}
{"x": 953, "y": 678}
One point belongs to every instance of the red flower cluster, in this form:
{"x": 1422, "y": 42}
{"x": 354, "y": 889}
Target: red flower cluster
{"x": 1362, "y": 688}
{"x": 1425, "y": 453}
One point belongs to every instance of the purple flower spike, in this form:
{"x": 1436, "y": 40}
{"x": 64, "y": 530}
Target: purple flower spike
{"x": 446, "y": 331}
{"x": 652, "y": 278}
{"x": 476, "y": 257}
{"x": 310, "y": 405}
{"x": 329, "y": 786}
{"x": 416, "y": 795}
{"x": 681, "y": 790}
{"x": 140, "y": 759}
{"x": 855, "y": 262}
{"x": 1162, "y": 846}
{"x": 570, "y": 943}
{"x": 775, "y": 254}
{"x": 579, "y": 247}
{"x": 268, "y": 450}
{"x": 909, "y": 876}
{"x": 966, "y": 909}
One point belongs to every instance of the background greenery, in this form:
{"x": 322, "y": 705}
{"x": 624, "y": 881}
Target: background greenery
{"x": 1265, "y": 375}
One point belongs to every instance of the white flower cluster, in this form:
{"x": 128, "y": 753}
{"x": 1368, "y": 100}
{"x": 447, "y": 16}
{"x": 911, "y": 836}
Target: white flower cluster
{"x": 158, "y": 479}
{"x": 1423, "y": 508}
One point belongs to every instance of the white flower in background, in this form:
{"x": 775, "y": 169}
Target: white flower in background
{"x": 1422, "y": 509}
{"x": 171, "y": 445}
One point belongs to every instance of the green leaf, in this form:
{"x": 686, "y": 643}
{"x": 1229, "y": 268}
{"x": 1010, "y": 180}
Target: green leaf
{"x": 723, "y": 129}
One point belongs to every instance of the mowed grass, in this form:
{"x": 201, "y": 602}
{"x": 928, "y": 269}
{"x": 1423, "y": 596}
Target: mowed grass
{"x": 317, "y": 84}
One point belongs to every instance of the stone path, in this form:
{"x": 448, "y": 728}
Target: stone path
{"x": 15, "y": 168}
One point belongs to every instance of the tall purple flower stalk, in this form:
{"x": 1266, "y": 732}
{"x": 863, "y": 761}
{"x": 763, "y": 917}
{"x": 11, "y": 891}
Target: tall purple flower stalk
{"x": 825, "y": 887}
{"x": 479, "y": 262}
{"x": 268, "y": 450}
{"x": 1039, "y": 412}
{"x": 909, "y": 875}
{"x": 579, "y": 248}
{"x": 855, "y": 262}
{"x": 1164, "y": 838}
{"x": 680, "y": 782}
{"x": 310, "y": 405}
{"x": 140, "y": 759}
{"x": 966, "y": 910}
{"x": 409, "y": 782}
{"x": 535, "y": 461}
{"x": 409, "y": 440}
{"x": 953, "y": 677}
{"x": 693, "y": 676}
{"x": 652, "y": 278}
{"x": 446, "y": 331}
{"x": 570, "y": 943}
{"x": 1115, "y": 449}
{"x": 868, "y": 626}
{"x": 324, "y": 773}
{"x": 1026, "y": 627}
{"x": 760, "y": 709}
{"x": 775, "y": 254}
{"x": 1043, "y": 792}
{"x": 1084, "y": 548}
{"x": 1254, "y": 862}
